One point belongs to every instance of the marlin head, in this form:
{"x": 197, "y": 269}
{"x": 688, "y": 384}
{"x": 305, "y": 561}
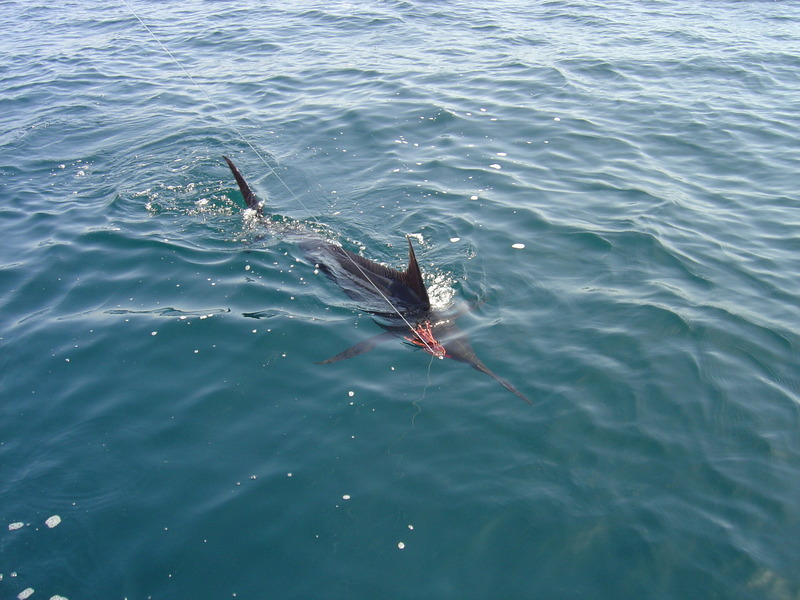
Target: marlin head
{"x": 422, "y": 336}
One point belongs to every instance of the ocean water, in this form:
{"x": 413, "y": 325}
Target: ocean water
{"x": 613, "y": 185}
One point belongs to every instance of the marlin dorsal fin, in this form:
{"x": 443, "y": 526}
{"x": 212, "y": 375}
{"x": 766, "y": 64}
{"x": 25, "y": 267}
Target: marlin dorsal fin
{"x": 413, "y": 277}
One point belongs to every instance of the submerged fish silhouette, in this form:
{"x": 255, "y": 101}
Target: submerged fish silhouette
{"x": 397, "y": 300}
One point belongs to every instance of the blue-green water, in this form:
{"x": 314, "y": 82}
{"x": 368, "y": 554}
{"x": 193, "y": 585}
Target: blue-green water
{"x": 644, "y": 153}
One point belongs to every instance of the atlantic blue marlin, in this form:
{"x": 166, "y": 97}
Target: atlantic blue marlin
{"x": 396, "y": 300}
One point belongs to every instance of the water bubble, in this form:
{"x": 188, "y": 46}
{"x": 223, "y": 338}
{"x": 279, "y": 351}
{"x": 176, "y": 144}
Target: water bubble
{"x": 53, "y": 521}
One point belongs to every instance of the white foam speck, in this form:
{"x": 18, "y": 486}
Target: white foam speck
{"x": 17, "y": 525}
{"x": 495, "y": 166}
{"x": 473, "y": 197}
{"x": 502, "y": 154}
{"x": 455, "y": 239}
{"x": 556, "y": 118}
{"x": 53, "y": 521}
{"x": 518, "y": 246}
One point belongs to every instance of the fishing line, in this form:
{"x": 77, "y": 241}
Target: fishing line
{"x": 225, "y": 118}
{"x": 418, "y": 403}
{"x": 272, "y": 171}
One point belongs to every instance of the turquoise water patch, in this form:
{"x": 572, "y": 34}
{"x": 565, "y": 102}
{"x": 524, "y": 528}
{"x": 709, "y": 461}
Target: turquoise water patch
{"x": 612, "y": 189}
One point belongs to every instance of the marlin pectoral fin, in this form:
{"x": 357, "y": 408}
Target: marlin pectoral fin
{"x": 505, "y": 383}
{"x": 457, "y": 347}
{"x": 360, "y": 348}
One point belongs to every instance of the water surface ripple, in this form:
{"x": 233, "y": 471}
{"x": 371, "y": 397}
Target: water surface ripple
{"x": 159, "y": 387}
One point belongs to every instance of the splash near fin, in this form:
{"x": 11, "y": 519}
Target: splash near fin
{"x": 249, "y": 196}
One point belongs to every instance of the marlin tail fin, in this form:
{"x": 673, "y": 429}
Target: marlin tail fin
{"x": 249, "y": 196}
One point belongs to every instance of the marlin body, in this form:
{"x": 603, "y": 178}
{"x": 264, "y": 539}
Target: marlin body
{"x": 397, "y": 300}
